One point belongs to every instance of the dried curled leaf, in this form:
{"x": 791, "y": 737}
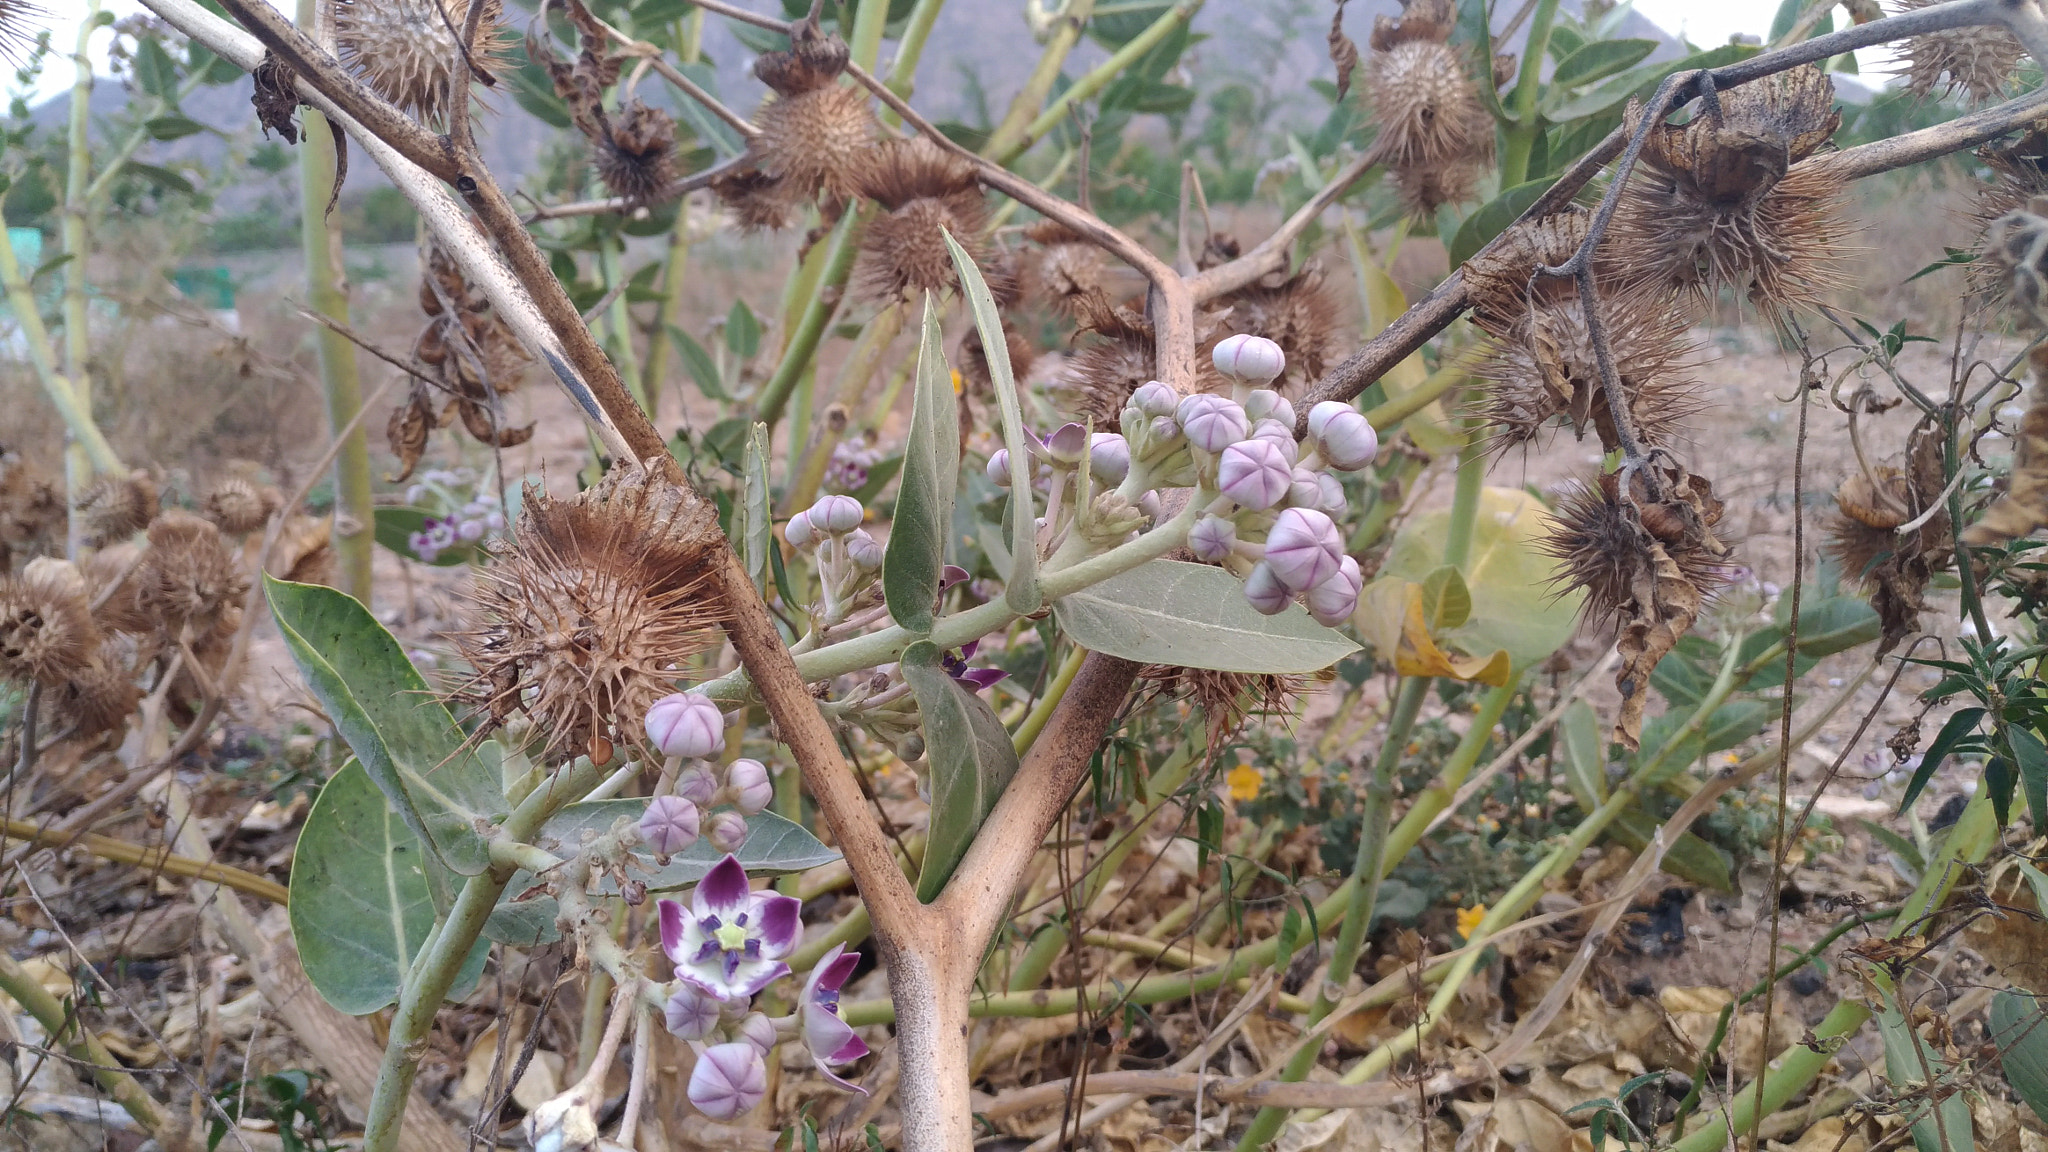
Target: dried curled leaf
{"x": 1343, "y": 53}
{"x": 1865, "y": 538}
{"x": 2024, "y": 507}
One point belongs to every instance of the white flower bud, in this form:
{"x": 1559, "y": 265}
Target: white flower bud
{"x": 752, "y": 789}
{"x": 1265, "y": 592}
{"x": 1343, "y": 435}
{"x": 836, "y": 515}
{"x": 1266, "y": 404}
{"x": 999, "y": 468}
{"x": 1250, "y": 358}
{"x": 686, "y": 724}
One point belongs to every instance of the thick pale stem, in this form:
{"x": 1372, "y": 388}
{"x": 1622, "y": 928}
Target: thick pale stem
{"x": 71, "y": 1034}
{"x": 931, "y": 1040}
{"x": 1010, "y": 136}
{"x": 78, "y": 460}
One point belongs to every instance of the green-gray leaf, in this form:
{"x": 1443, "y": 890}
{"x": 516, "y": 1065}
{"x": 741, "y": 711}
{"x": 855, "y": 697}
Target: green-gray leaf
{"x": 757, "y": 535}
{"x": 774, "y": 847}
{"x": 1908, "y": 1060}
{"x": 360, "y": 902}
{"x": 1195, "y": 616}
{"x": 405, "y": 738}
{"x": 2017, "y": 1027}
{"x": 1585, "y": 761}
{"x": 916, "y": 552}
{"x": 1021, "y": 592}
{"x": 971, "y": 760}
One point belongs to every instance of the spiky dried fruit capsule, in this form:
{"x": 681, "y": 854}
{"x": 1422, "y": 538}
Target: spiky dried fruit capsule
{"x": 46, "y": 627}
{"x": 408, "y": 51}
{"x": 1884, "y": 500}
{"x": 1429, "y": 112}
{"x": 95, "y": 700}
{"x": 238, "y": 506}
{"x": 2016, "y": 252}
{"x": 928, "y": 194}
{"x": 189, "y": 575}
{"x": 592, "y": 606}
{"x": 758, "y": 201}
{"x": 117, "y": 507}
{"x": 32, "y": 513}
{"x": 820, "y": 141}
{"x": 635, "y": 154}
{"x": 1978, "y": 60}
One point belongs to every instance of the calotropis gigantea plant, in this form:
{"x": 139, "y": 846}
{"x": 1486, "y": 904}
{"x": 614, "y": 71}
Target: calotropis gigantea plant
{"x": 1243, "y": 482}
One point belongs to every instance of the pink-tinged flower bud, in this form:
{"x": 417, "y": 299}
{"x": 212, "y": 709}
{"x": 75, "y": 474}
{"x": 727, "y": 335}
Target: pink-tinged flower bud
{"x": 669, "y": 825}
{"x": 1266, "y": 404}
{"x": 1163, "y": 430}
{"x": 999, "y": 468}
{"x": 1264, "y": 592}
{"x": 836, "y": 515}
{"x": 752, "y": 789}
{"x": 470, "y": 531}
{"x": 698, "y": 784}
{"x": 1280, "y": 435}
{"x": 1149, "y": 505}
{"x": 799, "y": 533}
{"x": 1109, "y": 458}
{"x": 729, "y": 1080}
{"x": 691, "y": 1013}
{"x": 1250, "y": 358}
{"x": 1332, "y": 499}
{"x": 1253, "y": 473}
{"x": 686, "y": 724}
{"x": 726, "y": 830}
{"x": 1154, "y": 398}
{"x": 758, "y": 1030}
{"x": 1065, "y": 445}
{"x": 1212, "y": 423}
{"x": 1303, "y": 548}
{"x": 1343, "y": 435}
{"x": 1332, "y": 601}
{"x": 1305, "y": 491}
{"x": 1212, "y": 538}
{"x": 864, "y": 549}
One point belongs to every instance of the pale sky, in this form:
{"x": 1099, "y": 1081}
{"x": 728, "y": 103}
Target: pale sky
{"x": 1706, "y": 22}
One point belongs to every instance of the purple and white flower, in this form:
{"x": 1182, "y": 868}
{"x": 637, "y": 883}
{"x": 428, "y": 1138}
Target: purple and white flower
{"x": 1063, "y": 446}
{"x": 729, "y": 1080}
{"x": 731, "y": 940}
{"x": 975, "y": 679}
{"x": 830, "y": 1039}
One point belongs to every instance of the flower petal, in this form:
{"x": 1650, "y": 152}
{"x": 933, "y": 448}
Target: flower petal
{"x": 723, "y": 891}
{"x": 781, "y": 923}
{"x": 671, "y": 929}
{"x": 834, "y": 967}
{"x": 981, "y": 678}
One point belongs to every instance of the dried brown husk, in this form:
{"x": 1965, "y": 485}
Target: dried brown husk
{"x": 927, "y": 193}
{"x": 1978, "y": 61}
{"x": 1435, "y": 136}
{"x": 1300, "y": 313}
{"x": 189, "y": 577}
{"x": 635, "y": 153}
{"x": 304, "y": 552}
{"x": 238, "y": 505}
{"x": 47, "y": 632}
{"x": 820, "y": 142}
{"x": 1228, "y": 700}
{"x": 94, "y": 702}
{"x": 1646, "y": 555}
{"x": 469, "y": 351}
{"x": 2023, "y": 509}
{"x": 117, "y": 507}
{"x": 1726, "y": 201}
{"x": 591, "y": 609}
{"x": 2014, "y": 260}
{"x": 1063, "y": 272}
{"x": 2019, "y": 175}
{"x": 812, "y": 60}
{"x": 758, "y": 201}
{"x": 32, "y": 512}
{"x": 408, "y": 51}
{"x": 973, "y": 359}
{"x": 112, "y": 577}
{"x": 1864, "y": 536}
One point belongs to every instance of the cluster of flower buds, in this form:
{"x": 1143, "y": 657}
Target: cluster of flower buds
{"x": 1274, "y": 520}
{"x": 847, "y": 557}
{"x": 466, "y": 514}
{"x": 1094, "y": 489}
{"x": 728, "y": 945}
{"x": 847, "y": 470}
{"x": 687, "y": 726}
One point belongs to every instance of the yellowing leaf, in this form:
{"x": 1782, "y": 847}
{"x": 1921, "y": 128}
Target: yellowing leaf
{"x": 1508, "y": 576}
{"x": 1390, "y": 615}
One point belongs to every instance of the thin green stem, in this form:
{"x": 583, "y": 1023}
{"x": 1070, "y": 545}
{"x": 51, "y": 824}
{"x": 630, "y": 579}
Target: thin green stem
{"x": 619, "y": 319}
{"x": 818, "y": 305}
{"x": 85, "y": 1047}
{"x": 77, "y": 415}
{"x": 1521, "y": 135}
{"x": 1034, "y": 723}
{"x": 79, "y": 463}
{"x": 902, "y": 78}
{"x": 668, "y": 312}
{"x": 1435, "y": 798}
{"x": 1465, "y": 498}
{"x": 1096, "y": 80}
{"x": 1010, "y": 136}
{"x": 866, "y": 43}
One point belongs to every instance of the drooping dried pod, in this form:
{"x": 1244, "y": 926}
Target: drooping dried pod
{"x": 304, "y": 553}
{"x": 46, "y": 628}
{"x": 2023, "y": 509}
{"x": 819, "y": 141}
{"x": 189, "y": 576}
{"x": 1300, "y": 313}
{"x": 1882, "y": 498}
{"x": 409, "y": 51}
{"x": 473, "y": 354}
{"x": 1978, "y": 61}
{"x": 1724, "y": 200}
{"x": 1865, "y": 538}
{"x": 1544, "y": 365}
{"x": 32, "y": 512}
{"x": 1643, "y": 548}
{"x": 2015, "y": 260}
{"x": 117, "y": 507}
{"x": 635, "y": 153}
{"x": 812, "y": 60}
{"x": 2019, "y": 174}
{"x": 238, "y": 505}
{"x": 592, "y": 607}
{"x": 758, "y": 201}
{"x": 928, "y": 193}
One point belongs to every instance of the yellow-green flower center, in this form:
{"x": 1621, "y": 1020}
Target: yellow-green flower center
{"x": 731, "y": 937}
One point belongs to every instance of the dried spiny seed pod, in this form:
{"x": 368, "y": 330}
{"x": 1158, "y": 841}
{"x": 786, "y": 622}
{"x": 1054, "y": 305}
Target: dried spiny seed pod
{"x": 1883, "y": 500}
{"x": 409, "y": 51}
{"x": 1062, "y": 271}
{"x": 973, "y": 358}
{"x": 117, "y": 507}
{"x": 636, "y": 153}
{"x": 46, "y": 628}
{"x": 2015, "y": 256}
{"x": 239, "y": 506}
{"x": 110, "y": 575}
{"x": 1724, "y": 200}
{"x": 94, "y": 701}
{"x": 820, "y": 141}
{"x": 19, "y": 22}
{"x": 1419, "y": 20}
{"x": 1865, "y": 539}
{"x": 189, "y": 576}
{"x": 591, "y": 609}
{"x": 928, "y": 193}
{"x": 1300, "y": 314}
{"x": 32, "y": 513}
{"x": 1427, "y": 187}
{"x": 811, "y": 62}
{"x": 758, "y": 201}
{"x": 1227, "y": 699}
{"x": 1097, "y": 378}
{"x": 1978, "y": 60}
{"x": 1434, "y": 134}
{"x": 2019, "y": 174}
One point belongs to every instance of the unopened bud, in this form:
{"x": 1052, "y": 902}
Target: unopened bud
{"x": 865, "y": 551}
{"x": 1280, "y": 436}
{"x": 836, "y": 515}
{"x": 728, "y": 1082}
{"x": 1065, "y": 445}
{"x": 999, "y": 468}
{"x": 1303, "y": 548}
{"x": 1109, "y": 458}
{"x": 1212, "y": 538}
{"x": 697, "y": 783}
{"x": 799, "y": 533}
{"x": 1212, "y": 423}
{"x": 752, "y": 789}
{"x": 1250, "y": 358}
{"x": 726, "y": 830}
{"x": 669, "y": 825}
{"x": 1253, "y": 473}
{"x": 1343, "y": 435}
{"x": 1154, "y": 398}
{"x": 1332, "y": 601}
{"x": 1264, "y": 591}
{"x": 686, "y": 724}
{"x": 1266, "y": 404}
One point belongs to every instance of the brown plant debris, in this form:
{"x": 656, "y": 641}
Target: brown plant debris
{"x": 927, "y": 193}
{"x": 1544, "y": 366}
{"x": 96, "y": 700}
{"x": 117, "y": 507}
{"x": 408, "y": 50}
{"x": 1864, "y": 537}
{"x": 1227, "y": 699}
{"x": 2023, "y": 509}
{"x": 32, "y": 513}
{"x": 1063, "y": 272}
{"x": 189, "y": 576}
{"x": 590, "y": 610}
{"x": 304, "y": 553}
{"x": 1723, "y": 199}
{"x": 2019, "y": 174}
{"x": 1641, "y": 543}
{"x": 758, "y": 201}
{"x": 1976, "y": 61}
{"x": 1433, "y": 132}
{"x": 276, "y": 98}
{"x": 111, "y": 577}
{"x": 238, "y": 505}
{"x": 46, "y": 628}
{"x": 472, "y": 359}
{"x": 2015, "y": 260}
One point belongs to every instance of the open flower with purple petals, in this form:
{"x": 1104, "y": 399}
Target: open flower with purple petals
{"x": 976, "y": 679}
{"x": 830, "y": 1039}
{"x": 731, "y": 940}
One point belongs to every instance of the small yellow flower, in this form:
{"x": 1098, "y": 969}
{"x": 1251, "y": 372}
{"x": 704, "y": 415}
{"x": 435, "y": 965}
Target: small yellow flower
{"x": 959, "y": 385}
{"x": 1468, "y": 920}
{"x": 1243, "y": 781}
